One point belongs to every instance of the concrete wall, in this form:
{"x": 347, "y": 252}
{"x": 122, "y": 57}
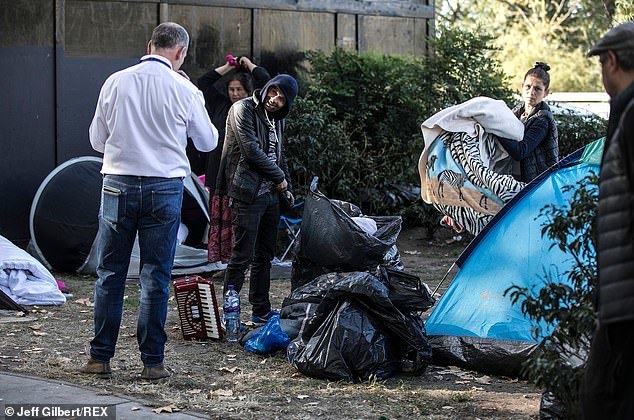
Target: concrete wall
{"x": 55, "y": 55}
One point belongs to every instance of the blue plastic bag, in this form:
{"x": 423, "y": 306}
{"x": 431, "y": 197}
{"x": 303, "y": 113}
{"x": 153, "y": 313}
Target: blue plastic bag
{"x": 269, "y": 338}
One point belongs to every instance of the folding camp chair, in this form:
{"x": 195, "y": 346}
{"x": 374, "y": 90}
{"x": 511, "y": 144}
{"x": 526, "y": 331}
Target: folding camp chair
{"x": 291, "y": 224}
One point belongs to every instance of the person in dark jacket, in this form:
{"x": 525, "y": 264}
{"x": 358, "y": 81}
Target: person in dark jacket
{"x": 253, "y": 173}
{"x": 218, "y": 100}
{"x": 608, "y": 384}
{"x": 540, "y": 147}
{"x": 220, "y": 97}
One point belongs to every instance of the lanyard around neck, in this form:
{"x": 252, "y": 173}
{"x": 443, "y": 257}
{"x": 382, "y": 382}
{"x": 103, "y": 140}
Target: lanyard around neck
{"x": 157, "y": 60}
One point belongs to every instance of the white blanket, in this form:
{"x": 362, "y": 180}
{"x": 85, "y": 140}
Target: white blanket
{"x": 474, "y": 117}
{"x": 464, "y": 171}
{"x": 26, "y": 280}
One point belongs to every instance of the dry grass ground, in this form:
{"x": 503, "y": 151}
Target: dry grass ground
{"x": 221, "y": 380}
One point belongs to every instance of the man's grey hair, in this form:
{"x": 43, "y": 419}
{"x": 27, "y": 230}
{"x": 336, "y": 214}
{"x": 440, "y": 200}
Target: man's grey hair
{"x": 169, "y": 35}
{"x": 626, "y": 59}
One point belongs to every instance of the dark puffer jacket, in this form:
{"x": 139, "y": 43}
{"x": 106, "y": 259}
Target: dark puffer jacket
{"x": 539, "y": 149}
{"x": 616, "y": 214}
{"x": 245, "y": 164}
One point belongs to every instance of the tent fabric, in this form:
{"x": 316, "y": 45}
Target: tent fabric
{"x": 64, "y": 221}
{"x": 495, "y": 357}
{"x": 464, "y": 172}
{"x": 24, "y": 279}
{"x": 509, "y": 251}
{"x": 7, "y": 303}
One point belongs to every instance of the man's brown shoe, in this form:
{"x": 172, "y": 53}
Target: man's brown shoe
{"x": 155, "y": 373}
{"x": 94, "y": 367}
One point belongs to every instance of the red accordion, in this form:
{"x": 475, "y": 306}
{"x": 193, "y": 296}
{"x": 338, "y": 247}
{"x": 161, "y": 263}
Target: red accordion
{"x": 197, "y": 308}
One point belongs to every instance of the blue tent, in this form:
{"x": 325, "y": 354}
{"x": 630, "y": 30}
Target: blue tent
{"x": 474, "y": 325}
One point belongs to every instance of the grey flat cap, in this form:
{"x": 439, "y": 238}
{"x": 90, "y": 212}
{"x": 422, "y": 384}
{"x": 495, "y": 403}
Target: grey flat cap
{"x": 618, "y": 38}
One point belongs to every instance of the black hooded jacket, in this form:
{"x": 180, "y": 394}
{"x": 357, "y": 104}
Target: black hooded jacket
{"x": 245, "y": 164}
{"x": 218, "y": 103}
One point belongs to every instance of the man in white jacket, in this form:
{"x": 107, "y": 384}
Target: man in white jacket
{"x": 144, "y": 115}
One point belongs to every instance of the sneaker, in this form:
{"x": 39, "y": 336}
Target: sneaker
{"x": 99, "y": 369}
{"x": 155, "y": 373}
{"x": 263, "y": 319}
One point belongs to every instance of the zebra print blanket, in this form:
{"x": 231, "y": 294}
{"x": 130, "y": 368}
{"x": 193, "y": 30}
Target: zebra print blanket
{"x": 455, "y": 177}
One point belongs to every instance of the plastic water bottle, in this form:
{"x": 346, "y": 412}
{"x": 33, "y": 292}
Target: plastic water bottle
{"x": 232, "y": 314}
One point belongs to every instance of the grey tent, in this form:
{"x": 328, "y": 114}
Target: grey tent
{"x": 64, "y": 221}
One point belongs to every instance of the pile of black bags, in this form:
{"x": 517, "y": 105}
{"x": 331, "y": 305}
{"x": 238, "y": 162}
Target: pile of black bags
{"x": 352, "y": 313}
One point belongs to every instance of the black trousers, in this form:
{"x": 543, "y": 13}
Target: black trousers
{"x": 255, "y": 230}
{"x": 607, "y": 391}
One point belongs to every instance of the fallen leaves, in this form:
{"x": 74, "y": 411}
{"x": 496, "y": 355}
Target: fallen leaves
{"x": 35, "y": 327}
{"x": 34, "y": 350}
{"x": 221, "y": 393}
{"x": 486, "y": 380}
{"x": 465, "y": 377}
{"x": 85, "y": 302}
{"x": 229, "y": 369}
{"x": 172, "y": 408}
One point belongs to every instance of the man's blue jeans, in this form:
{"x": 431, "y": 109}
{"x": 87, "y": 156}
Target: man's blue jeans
{"x": 151, "y": 207}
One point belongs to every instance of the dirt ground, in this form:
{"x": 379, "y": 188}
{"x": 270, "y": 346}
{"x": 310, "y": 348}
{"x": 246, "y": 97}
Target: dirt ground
{"x": 221, "y": 380}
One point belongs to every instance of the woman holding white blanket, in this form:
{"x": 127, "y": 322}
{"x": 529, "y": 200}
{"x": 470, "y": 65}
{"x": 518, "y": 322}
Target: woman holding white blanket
{"x": 540, "y": 147}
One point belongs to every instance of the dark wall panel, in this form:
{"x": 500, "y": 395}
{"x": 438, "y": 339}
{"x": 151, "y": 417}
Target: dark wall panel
{"x": 100, "y": 38}
{"x": 281, "y": 31}
{"x": 107, "y": 28}
{"x": 79, "y": 81}
{"x": 394, "y": 35}
{"x": 27, "y": 109}
{"x": 215, "y": 32}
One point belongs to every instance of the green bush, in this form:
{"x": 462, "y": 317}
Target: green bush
{"x": 356, "y": 124}
{"x": 462, "y": 67}
{"x": 564, "y": 303}
{"x": 575, "y": 131}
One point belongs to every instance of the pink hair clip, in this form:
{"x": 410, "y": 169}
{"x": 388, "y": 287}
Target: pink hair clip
{"x": 232, "y": 60}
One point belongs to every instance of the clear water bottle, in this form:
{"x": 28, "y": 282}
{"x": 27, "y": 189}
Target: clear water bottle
{"x": 232, "y": 314}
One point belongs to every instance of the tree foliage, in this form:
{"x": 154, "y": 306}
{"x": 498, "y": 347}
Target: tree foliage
{"x": 565, "y": 302}
{"x": 556, "y": 31}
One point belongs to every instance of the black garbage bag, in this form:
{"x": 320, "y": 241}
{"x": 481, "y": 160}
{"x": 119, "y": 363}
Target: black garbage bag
{"x": 349, "y": 345}
{"x": 406, "y": 291}
{"x": 550, "y": 408}
{"x": 356, "y": 331}
{"x": 330, "y": 240}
